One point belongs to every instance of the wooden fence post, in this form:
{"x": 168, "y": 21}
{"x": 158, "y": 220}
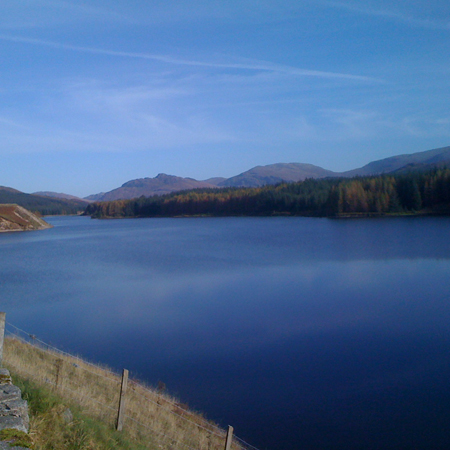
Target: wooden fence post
{"x": 123, "y": 391}
{"x": 2, "y": 335}
{"x": 59, "y": 364}
{"x": 229, "y": 438}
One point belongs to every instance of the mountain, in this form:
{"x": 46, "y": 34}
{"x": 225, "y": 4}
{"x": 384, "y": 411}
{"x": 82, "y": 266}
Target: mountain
{"x": 161, "y": 184}
{"x": 214, "y": 181}
{"x": 60, "y": 195}
{"x": 16, "y": 218}
{"x": 273, "y": 174}
{"x": 420, "y": 161}
{"x": 9, "y": 190}
{"x": 95, "y": 197}
{"x": 43, "y": 205}
{"x": 276, "y": 173}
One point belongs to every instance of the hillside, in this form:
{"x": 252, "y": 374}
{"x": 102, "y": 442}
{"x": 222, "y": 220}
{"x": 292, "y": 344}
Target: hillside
{"x": 45, "y": 206}
{"x": 16, "y": 218}
{"x": 74, "y": 404}
{"x": 215, "y": 181}
{"x": 416, "y": 192}
{"x": 160, "y": 185}
{"x": 60, "y": 195}
{"x": 274, "y": 174}
{"x": 421, "y": 160}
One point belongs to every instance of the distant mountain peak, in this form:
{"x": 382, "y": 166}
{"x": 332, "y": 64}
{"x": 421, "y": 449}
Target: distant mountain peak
{"x": 424, "y": 159}
{"x": 277, "y": 173}
{"x": 273, "y": 174}
{"x": 159, "y": 185}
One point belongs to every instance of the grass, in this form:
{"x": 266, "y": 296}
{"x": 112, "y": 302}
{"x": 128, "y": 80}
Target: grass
{"x": 16, "y": 438}
{"x": 90, "y": 394}
{"x": 59, "y": 424}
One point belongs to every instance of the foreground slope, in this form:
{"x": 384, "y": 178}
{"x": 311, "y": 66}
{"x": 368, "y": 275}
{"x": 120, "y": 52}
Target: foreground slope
{"x": 153, "y": 420}
{"x": 17, "y": 218}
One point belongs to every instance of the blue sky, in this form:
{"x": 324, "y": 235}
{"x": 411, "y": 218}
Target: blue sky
{"x": 95, "y": 93}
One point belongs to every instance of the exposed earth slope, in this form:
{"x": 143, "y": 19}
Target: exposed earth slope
{"x": 16, "y": 218}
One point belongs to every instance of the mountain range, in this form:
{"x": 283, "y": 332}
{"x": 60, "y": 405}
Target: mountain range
{"x": 273, "y": 174}
{"x": 47, "y": 203}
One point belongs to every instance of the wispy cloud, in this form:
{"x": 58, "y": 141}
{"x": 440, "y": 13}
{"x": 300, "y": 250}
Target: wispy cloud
{"x": 400, "y": 16}
{"x": 247, "y": 64}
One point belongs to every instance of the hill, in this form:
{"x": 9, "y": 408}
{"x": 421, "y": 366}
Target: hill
{"x": 16, "y": 218}
{"x": 215, "y": 181}
{"x": 94, "y": 197}
{"x": 276, "y": 173}
{"x": 160, "y": 185}
{"x": 420, "y": 161}
{"x": 414, "y": 192}
{"x": 45, "y": 206}
{"x": 60, "y": 195}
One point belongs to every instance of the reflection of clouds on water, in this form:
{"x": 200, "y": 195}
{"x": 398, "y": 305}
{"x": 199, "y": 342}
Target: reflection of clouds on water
{"x": 306, "y": 315}
{"x": 253, "y": 308}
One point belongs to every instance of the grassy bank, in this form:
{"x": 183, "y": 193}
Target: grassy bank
{"x": 59, "y": 424}
{"x": 59, "y": 385}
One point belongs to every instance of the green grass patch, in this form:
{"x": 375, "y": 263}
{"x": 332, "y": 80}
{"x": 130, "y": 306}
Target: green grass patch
{"x": 57, "y": 424}
{"x": 16, "y": 438}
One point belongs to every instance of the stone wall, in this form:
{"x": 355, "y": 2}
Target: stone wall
{"x": 13, "y": 409}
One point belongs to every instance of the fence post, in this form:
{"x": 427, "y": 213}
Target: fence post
{"x": 2, "y": 335}
{"x": 229, "y": 438}
{"x": 59, "y": 364}
{"x": 123, "y": 391}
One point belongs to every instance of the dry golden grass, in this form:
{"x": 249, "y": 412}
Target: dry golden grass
{"x": 153, "y": 418}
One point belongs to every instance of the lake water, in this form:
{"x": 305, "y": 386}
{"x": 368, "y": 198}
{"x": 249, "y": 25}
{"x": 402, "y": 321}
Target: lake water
{"x": 302, "y": 333}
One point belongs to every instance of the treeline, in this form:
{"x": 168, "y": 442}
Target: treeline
{"x": 385, "y": 194}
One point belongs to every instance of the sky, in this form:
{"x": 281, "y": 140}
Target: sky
{"x": 96, "y": 93}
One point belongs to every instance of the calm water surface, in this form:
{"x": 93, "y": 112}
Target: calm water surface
{"x": 301, "y": 333}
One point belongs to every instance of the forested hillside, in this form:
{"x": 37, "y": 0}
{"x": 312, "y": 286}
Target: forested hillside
{"x": 415, "y": 192}
{"x": 45, "y": 206}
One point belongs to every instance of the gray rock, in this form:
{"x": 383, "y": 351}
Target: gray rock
{"x": 15, "y": 422}
{"x": 9, "y": 392}
{"x": 6, "y": 446}
{"x": 14, "y": 407}
{"x": 13, "y": 410}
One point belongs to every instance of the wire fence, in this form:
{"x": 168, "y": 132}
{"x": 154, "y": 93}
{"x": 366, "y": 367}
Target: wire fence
{"x": 150, "y": 415}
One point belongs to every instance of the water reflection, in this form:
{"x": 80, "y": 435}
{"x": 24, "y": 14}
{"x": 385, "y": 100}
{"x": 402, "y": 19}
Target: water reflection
{"x": 334, "y": 333}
